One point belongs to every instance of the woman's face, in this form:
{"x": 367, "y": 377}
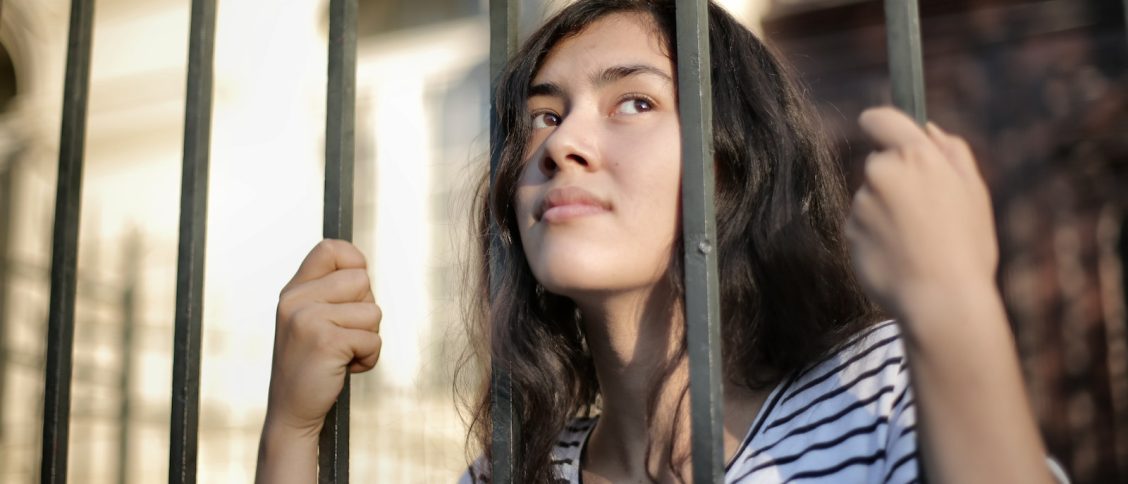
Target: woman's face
{"x": 598, "y": 200}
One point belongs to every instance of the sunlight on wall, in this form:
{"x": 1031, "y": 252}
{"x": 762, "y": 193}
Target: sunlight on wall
{"x": 264, "y": 214}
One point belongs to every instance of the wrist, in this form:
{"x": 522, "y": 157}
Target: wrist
{"x": 946, "y": 313}
{"x": 286, "y": 454}
{"x": 277, "y": 426}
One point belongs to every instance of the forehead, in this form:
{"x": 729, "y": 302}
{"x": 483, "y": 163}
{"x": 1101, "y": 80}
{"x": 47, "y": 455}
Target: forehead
{"x": 615, "y": 39}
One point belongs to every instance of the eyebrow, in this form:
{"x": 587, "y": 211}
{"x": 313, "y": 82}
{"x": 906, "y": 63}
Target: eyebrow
{"x": 602, "y": 78}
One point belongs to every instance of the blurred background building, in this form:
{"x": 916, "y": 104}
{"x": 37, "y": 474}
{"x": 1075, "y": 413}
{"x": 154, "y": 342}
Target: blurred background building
{"x": 1038, "y": 86}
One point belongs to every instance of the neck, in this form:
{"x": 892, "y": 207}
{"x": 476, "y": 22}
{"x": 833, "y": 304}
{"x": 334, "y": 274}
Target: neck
{"x": 633, "y": 337}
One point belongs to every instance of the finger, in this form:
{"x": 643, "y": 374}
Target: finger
{"x": 342, "y": 286}
{"x": 955, "y": 149}
{"x": 365, "y": 347}
{"x": 362, "y": 316}
{"x": 327, "y": 256}
{"x": 890, "y": 128}
{"x": 862, "y": 208}
{"x": 881, "y": 169}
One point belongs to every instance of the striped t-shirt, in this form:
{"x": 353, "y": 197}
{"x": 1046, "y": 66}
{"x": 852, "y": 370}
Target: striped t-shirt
{"x": 848, "y": 418}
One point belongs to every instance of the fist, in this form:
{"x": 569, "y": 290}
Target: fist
{"x": 921, "y": 224}
{"x": 327, "y": 325}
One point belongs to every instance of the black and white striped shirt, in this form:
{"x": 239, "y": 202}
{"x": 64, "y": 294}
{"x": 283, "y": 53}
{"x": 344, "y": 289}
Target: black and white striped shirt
{"x": 848, "y": 418}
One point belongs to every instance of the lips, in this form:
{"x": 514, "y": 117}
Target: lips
{"x": 566, "y": 202}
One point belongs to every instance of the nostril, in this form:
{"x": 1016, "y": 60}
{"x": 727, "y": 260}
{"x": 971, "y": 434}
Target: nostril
{"x": 549, "y": 164}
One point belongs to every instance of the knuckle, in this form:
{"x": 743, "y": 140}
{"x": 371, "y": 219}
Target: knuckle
{"x": 913, "y": 152}
{"x": 325, "y": 246}
{"x": 287, "y": 306}
{"x": 961, "y": 145}
{"x": 877, "y": 170}
{"x": 359, "y": 279}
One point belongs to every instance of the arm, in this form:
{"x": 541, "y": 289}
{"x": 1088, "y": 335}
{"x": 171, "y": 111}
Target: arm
{"x": 923, "y": 245}
{"x": 327, "y": 326}
{"x": 974, "y": 419}
{"x": 286, "y": 455}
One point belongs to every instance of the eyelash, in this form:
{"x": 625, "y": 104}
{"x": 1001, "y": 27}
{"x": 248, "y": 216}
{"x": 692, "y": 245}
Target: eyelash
{"x": 538, "y": 113}
{"x": 637, "y": 97}
{"x": 629, "y": 97}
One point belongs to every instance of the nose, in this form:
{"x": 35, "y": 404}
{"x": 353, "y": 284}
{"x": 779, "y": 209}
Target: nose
{"x": 571, "y": 145}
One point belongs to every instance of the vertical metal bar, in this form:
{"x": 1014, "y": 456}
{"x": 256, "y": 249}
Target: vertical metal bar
{"x": 702, "y": 301}
{"x": 503, "y": 44}
{"x": 125, "y": 380}
{"x": 333, "y": 445}
{"x": 906, "y": 70}
{"x": 7, "y": 198}
{"x": 1125, "y": 17}
{"x": 64, "y": 251}
{"x": 190, "y": 262}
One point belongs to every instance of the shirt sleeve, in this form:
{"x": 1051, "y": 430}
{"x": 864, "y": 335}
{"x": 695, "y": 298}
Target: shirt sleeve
{"x": 902, "y": 455}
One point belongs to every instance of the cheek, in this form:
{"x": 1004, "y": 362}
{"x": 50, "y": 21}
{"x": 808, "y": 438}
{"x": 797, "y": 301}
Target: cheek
{"x": 651, "y": 177}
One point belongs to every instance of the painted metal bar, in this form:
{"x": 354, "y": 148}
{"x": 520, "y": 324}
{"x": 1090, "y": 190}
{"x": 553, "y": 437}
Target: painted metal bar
{"x": 131, "y": 268}
{"x": 906, "y": 70}
{"x": 64, "y": 251}
{"x": 190, "y": 261}
{"x": 503, "y": 44}
{"x": 7, "y": 198}
{"x": 333, "y": 445}
{"x": 702, "y": 300}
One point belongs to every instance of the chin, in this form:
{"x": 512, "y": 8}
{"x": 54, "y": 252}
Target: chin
{"x": 570, "y": 276}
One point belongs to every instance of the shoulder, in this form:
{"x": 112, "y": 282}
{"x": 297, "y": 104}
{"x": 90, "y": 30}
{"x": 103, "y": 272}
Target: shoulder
{"x": 565, "y": 455}
{"x": 848, "y": 417}
{"x": 868, "y": 368}
{"x": 570, "y": 446}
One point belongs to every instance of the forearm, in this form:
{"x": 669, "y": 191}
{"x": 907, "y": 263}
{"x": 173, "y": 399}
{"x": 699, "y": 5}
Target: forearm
{"x": 974, "y": 420}
{"x": 286, "y": 456}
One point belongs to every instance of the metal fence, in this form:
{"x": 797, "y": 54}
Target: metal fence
{"x": 702, "y": 306}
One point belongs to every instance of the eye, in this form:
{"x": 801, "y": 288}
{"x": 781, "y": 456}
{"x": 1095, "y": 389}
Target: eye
{"x": 634, "y": 105}
{"x": 545, "y": 119}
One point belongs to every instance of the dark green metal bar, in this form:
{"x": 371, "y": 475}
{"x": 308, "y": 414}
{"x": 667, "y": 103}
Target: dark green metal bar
{"x": 131, "y": 271}
{"x": 64, "y": 251}
{"x": 340, "y": 141}
{"x": 702, "y": 301}
{"x": 906, "y": 70}
{"x": 193, "y": 234}
{"x": 503, "y": 44}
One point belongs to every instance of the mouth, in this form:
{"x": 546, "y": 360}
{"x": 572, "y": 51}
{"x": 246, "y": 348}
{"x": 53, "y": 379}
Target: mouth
{"x": 568, "y": 202}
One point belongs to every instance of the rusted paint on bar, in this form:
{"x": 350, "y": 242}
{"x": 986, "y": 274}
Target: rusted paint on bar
{"x": 64, "y": 251}
{"x": 906, "y": 70}
{"x": 190, "y": 261}
{"x": 503, "y": 43}
{"x": 333, "y": 445}
{"x": 702, "y": 301}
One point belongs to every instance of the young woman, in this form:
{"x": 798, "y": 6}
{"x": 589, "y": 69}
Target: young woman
{"x": 588, "y": 316}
